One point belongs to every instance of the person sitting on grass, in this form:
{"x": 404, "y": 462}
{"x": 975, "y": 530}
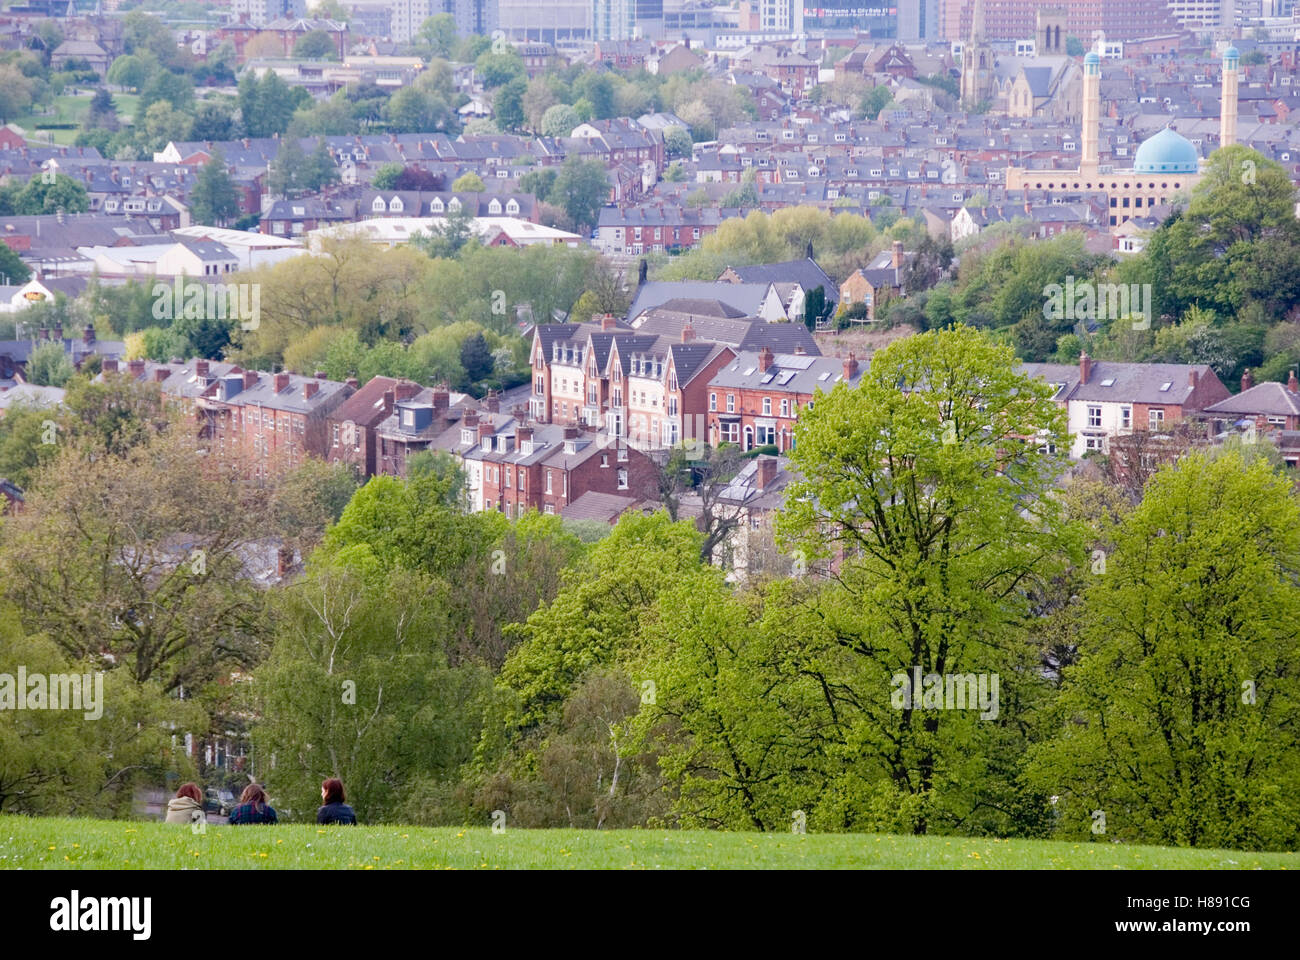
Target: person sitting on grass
{"x": 253, "y": 807}
{"x": 335, "y": 810}
{"x": 186, "y": 806}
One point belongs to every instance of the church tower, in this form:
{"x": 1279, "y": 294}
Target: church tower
{"x": 976, "y": 62}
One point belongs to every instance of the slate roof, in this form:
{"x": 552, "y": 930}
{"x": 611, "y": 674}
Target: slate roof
{"x": 1268, "y": 399}
{"x": 746, "y": 297}
{"x": 804, "y": 272}
{"x": 791, "y": 373}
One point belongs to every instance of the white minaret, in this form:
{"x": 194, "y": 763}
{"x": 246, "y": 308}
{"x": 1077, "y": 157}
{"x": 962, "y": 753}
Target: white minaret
{"x": 1228, "y": 108}
{"x": 1091, "y": 112}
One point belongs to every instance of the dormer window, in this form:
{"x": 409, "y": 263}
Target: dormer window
{"x": 437, "y": 205}
{"x": 512, "y": 206}
{"x": 467, "y": 436}
{"x": 395, "y": 205}
{"x": 494, "y": 207}
{"x": 378, "y": 205}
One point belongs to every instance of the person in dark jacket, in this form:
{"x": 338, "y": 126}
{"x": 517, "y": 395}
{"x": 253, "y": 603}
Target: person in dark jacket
{"x": 253, "y": 807}
{"x": 335, "y": 810}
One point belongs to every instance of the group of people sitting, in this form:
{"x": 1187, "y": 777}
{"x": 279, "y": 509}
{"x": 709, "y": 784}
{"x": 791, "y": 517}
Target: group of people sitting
{"x": 254, "y": 807}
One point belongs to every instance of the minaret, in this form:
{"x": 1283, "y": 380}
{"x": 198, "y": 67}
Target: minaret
{"x": 1228, "y": 108}
{"x": 1091, "y": 112}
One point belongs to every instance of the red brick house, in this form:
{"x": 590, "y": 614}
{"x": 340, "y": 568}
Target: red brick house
{"x": 545, "y": 467}
{"x": 353, "y": 422}
{"x": 755, "y": 400}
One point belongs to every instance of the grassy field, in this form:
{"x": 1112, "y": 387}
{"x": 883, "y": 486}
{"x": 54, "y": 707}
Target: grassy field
{"x": 70, "y": 109}
{"x": 34, "y": 844}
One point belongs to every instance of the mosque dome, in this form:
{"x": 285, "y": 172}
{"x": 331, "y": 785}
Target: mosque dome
{"x": 1091, "y": 57}
{"x": 1166, "y": 152}
{"x": 1231, "y": 54}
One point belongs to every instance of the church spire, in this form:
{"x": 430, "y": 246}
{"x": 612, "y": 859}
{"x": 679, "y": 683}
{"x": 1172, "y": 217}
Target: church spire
{"x": 977, "y": 22}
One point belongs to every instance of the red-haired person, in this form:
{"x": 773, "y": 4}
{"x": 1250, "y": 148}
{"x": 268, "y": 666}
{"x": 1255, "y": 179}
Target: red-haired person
{"x": 186, "y": 806}
{"x": 253, "y": 807}
{"x": 334, "y": 810}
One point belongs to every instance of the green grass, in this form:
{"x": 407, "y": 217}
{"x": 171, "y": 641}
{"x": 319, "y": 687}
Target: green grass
{"x": 70, "y": 109}
{"x": 37, "y": 844}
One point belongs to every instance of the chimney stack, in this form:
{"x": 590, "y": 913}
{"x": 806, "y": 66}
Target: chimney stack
{"x": 1293, "y": 384}
{"x": 160, "y": 374}
{"x": 523, "y": 435}
{"x": 352, "y": 382}
{"x": 88, "y": 334}
{"x": 1191, "y": 378}
{"x": 250, "y": 379}
{"x": 390, "y": 398}
{"x": 688, "y": 333}
{"x": 471, "y": 418}
{"x": 109, "y": 365}
{"x": 607, "y": 322}
{"x": 850, "y": 366}
{"x": 281, "y": 382}
{"x": 1085, "y": 367}
{"x": 283, "y": 561}
{"x": 1247, "y": 380}
{"x": 309, "y": 389}
{"x": 136, "y": 367}
{"x": 765, "y": 472}
{"x": 484, "y": 430}
{"x": 491, "y": 403}
{"x": 764, "y": 359}
{"x": 897, "y": 258}
{"x": 320, "y": 375}
{"x": 45, "y": 333}
{"x": 441, "y": 401}
{"x": 201, "y": 368}
{"x": 571, "y": 432}
{"x": 406, "y": 389}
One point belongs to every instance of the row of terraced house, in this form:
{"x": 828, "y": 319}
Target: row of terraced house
{"x": 276, "y": 420}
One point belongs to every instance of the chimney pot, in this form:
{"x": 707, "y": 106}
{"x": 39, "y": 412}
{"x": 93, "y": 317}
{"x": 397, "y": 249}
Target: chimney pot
{"x": 1247, "y": 379}
{"x": 320, "y": 375}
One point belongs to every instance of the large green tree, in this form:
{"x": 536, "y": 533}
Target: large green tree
{"x": 1176, "y": 725}
{"x": 928, "y": 485}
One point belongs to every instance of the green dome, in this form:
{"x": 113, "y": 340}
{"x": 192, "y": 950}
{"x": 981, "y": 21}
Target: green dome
{"x": 1091, "y": 57}
{"x": 1231, "y": 54}
{"x": 1166, "y": 152}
